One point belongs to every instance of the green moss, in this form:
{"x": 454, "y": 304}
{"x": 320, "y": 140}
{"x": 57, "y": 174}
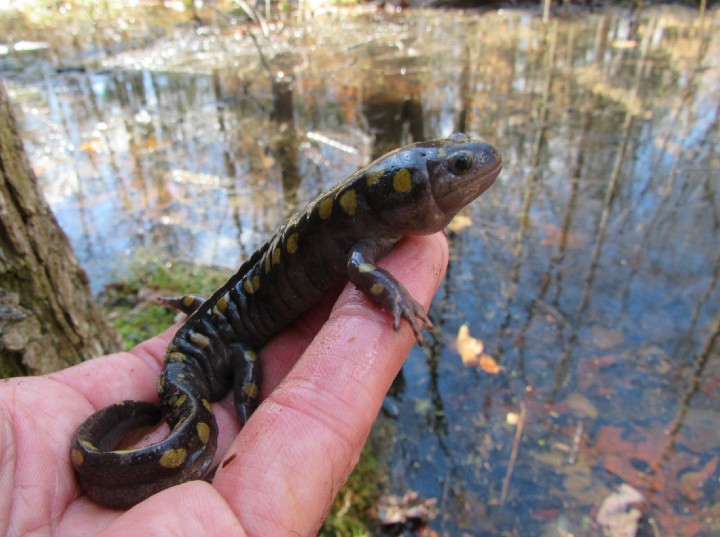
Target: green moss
{"x": 130, "y": 302}
{"x": 350, "y": 513}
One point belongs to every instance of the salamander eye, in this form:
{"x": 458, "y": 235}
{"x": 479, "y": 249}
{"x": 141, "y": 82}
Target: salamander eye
{"x": 460, "y": 162}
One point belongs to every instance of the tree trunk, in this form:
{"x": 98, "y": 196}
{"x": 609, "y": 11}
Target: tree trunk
{"x": 48, "y": 318}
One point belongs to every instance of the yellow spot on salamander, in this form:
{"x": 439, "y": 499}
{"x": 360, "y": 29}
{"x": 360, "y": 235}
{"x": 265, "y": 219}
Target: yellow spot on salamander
{"x": 291, "y": 244}
{"x": 200, "y": 340}
{"x": 77, "y": 457}
{"x": 373, "y": 176}
{"x": 181, "y": 400}
{"x": 377, "y": 289}
{"x": 366, "y": 267}
{"x": 267, "y": 263}
{"x": 250, "y": 356}
{"x": 203, "y": 431}
{"x": 173, "y": 458}
{"x": 222, "y": 304}
{"x": 251, "y": 389}
{"x": 402, "y": 181}
{"x": 175, "y": 357}
{"x": 276, "y": 256}
{"x": 442, "y": 153}
{"x": 181, "y": 376}
{"x": 247, "y": 286}
{"x": 206, "y": 404}
{"x": 255, "y": 282}
{"x": 88, "y": 445}
{"x": 325, "y": 208}
{"x": 188, "y": 301}
{"x": 348, "y": 202}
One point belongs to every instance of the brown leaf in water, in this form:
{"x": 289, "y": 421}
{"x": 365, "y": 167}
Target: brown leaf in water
{"x": 468, "y": 347}
{"x": 691, "y": 483}
{"x": 554, "y": 236}
{"x": 471, "y": 352}
{"x": 488, "y": 364}
{"x": 605, "y": 338}
{"x": 581, "y": 406}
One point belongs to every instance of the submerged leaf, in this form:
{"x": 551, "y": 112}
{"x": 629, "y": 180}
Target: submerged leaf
{"x": 468, "y": 347}
{"x": 692, "y": 483}
{"x": 556, "y": 236}
{"x": 471, "y": 352}
{"x": 489, "y": 365}
{"x": 620, "y": 512}
{"x": 605, "y": 338}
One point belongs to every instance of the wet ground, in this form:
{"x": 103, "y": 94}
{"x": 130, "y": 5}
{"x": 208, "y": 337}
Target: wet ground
{"x": 589, "y": 271}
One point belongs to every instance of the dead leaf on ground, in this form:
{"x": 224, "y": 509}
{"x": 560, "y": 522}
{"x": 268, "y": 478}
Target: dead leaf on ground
{"x": 471, "y": 352}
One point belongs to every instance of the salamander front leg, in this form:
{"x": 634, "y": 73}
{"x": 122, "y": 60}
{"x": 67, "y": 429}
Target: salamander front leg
{"x": 381, "y": 287}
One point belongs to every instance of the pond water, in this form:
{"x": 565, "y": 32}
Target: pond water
{"x": 589, "y": 271}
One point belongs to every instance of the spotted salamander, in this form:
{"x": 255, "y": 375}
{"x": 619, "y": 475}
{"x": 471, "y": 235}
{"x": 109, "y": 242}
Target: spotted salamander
{"x": 338, "y": 237}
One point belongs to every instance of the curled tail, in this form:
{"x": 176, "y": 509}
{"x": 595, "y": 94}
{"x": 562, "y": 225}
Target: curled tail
{"x": 120, "y": 478}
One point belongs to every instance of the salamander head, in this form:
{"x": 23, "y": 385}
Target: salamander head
{"x": 419, "y": 188}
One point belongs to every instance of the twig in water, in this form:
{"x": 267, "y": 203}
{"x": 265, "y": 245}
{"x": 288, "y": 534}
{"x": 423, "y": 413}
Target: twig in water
{"x": 513, "y": 454}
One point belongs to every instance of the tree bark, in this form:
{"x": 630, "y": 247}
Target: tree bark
{"x": 48, "y": 317}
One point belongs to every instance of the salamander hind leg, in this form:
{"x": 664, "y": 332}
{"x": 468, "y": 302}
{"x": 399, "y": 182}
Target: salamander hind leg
{"x": 188, "y": 304}
{"x": 381, "y": 287}
{"x": 246, "y": 380}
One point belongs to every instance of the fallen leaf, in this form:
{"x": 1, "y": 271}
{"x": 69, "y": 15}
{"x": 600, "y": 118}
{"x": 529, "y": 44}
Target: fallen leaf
{"x": 458, "y": 223}
{"x": 488, "y": 364}
{"x": 605, "y": 338}
{"x": 91, "y": 146}
{"x": 691, "y": 483}
{"x": 555, "y": 236}
{"x": 468, "y": 347}
{"x": 581, "y": 406}
{"x": 471, "y": 352}
{"x": 620, "y": 512}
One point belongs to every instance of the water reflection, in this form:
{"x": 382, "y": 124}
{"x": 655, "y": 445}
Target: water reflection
{"x": 590, "y": 271}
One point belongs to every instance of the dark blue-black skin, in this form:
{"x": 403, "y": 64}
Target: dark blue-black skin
{"x": 412, "y": 191}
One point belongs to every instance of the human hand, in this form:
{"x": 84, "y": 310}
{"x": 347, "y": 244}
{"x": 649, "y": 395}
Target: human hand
{"x": 324, "y": 380}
